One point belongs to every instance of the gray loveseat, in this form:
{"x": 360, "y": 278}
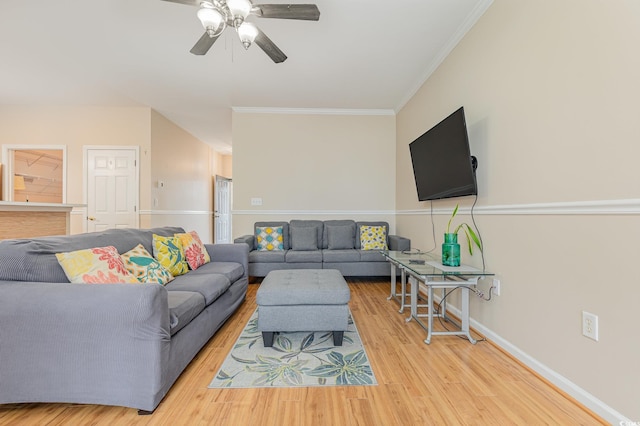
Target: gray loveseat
{"x": 333, "y": 244}
{"x": 116, "y": 344}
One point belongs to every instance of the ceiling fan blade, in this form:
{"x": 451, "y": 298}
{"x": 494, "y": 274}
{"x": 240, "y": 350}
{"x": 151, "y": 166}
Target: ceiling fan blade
{"x": 269, "y": 47}
{"x": 195, "y": 3}
{"x": 307, "y": 12}
{"x": 203, "y": 45}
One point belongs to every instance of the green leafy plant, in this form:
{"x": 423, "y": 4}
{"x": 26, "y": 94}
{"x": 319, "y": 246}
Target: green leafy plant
{"x": 472, "y": 237}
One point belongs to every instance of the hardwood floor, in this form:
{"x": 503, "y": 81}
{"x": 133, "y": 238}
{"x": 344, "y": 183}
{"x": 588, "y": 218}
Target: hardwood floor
{"x": 447, "y": 382}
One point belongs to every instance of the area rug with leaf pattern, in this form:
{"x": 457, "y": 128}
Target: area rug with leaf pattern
{"x": 296, "y": 359}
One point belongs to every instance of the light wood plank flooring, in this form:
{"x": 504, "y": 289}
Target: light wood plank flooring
{"x": 449, "y": 382}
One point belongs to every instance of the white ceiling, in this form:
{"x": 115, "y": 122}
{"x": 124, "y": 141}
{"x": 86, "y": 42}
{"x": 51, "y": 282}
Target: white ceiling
{"x": 360, "y": 55}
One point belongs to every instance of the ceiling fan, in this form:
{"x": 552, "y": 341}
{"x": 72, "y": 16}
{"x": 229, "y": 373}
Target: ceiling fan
{"x": 216, "y": 15}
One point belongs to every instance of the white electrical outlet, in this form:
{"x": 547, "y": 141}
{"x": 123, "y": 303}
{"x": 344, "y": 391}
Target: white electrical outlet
{"x": 496, "y": 286}
{"x": 590, "y": 325}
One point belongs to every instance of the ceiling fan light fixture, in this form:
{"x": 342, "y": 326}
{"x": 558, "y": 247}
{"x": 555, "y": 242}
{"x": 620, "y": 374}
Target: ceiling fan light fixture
{"x": 212, "y": 20}
{"x": 240, "y": 9}
{"x": 247, "y": 32}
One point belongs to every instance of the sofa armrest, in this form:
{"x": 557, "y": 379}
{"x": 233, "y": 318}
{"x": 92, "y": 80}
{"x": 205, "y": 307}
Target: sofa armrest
{"x": 80, "y": 342}
{"x": 398, "y": 243}
{"x": 237, "y": 252}
{"x": 247, "y": 239}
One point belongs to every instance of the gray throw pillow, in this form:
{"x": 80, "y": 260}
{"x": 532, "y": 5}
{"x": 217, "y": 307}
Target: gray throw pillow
{"x": 340, "y": 237}
{"x": 304, "y": 238}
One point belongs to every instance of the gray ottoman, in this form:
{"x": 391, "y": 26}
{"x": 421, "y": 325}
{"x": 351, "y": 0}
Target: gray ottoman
{"x": 303, "y": 300}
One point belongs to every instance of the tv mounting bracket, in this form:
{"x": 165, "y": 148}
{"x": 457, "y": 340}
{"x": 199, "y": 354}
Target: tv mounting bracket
{"x": 474, "y": 162}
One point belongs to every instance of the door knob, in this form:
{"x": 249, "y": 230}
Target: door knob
{"x": 91, "y": 218}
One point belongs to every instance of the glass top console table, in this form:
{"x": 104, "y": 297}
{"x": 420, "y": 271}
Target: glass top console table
{"x": 425, "y": 270}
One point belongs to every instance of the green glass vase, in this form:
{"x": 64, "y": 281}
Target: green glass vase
{"x": 451, "y": 250}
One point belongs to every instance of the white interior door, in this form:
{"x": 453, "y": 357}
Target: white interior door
{"x": 112, "y": 188}
{"x": 222, "y": 210}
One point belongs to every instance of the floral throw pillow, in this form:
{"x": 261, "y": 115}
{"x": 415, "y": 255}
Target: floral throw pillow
{"x": 194, "y": 250}
{"x": 144, "y": 267}
{"x": 269, "y": 238}
{"x": 373, "y": 237}
{"x": 169, "y": 252}
{"x": 100, "y": 265}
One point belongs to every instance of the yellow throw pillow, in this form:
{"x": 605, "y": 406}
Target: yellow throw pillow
{"x": 144, "y": 267}
{"x": 194, "y": 250}
{"x": 169, "y": 252}
{"x": 100, "y": 265}
{"x": 373, "y": 237}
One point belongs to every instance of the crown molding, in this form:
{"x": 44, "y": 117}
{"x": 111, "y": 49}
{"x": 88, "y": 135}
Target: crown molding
{"x": 439, "y": 58}
{"x": 312, "y": 111}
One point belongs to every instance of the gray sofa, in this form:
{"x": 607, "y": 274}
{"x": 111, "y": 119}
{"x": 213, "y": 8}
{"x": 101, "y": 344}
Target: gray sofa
{"x": 335, "y": 245}
{"x": 117, "y": 344}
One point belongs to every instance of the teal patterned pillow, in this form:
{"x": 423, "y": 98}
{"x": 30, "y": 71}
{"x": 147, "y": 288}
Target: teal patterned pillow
{"x": 269, "y": 238}
{"x": 144, "y": 267}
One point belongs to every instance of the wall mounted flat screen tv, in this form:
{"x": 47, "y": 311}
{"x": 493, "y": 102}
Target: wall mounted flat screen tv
{"x": 442, "y": 163}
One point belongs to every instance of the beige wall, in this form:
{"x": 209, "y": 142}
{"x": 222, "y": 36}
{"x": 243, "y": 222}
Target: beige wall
{"x": 75, "y": 128}
{"x": 307, "y": 166}
{"x": 550, "y": 90}
{"x": 167, "y": 153}
{"x": 221, "y": 165}
{"x": 183, "y": 164}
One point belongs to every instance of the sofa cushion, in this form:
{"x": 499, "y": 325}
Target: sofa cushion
{"x": 330, "y": 223}
{"x": 98, "y": 265}
{"x": 35, "y": 259}
{"x": 170, "y": 254}
{"x": 269, "y": 238}
{"x": 232, "y": 270}
{"x": 338, "y": 256}
{"x": 194, "y": 252}
{"x": 304, "y": 238}
{"x": 266, "y": 256}
{"x": 318, "y": 225}
{"x": 183, "y": 307}
{"x": 144, "y": 267}
{"x": 340, "y": 237}
{"x": 359, "y": 226}
{"x": 304, "y": 256}
{"x": 211, "y": 286}
{"x": 371, "y": 256}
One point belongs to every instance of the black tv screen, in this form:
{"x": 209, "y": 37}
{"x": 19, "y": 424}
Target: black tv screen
{"x": 442, "y": 162}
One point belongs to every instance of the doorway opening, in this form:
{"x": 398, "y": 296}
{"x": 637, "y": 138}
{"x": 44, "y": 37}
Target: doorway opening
{"x": 223, "y": 192}
{"x": 35, "y": 173}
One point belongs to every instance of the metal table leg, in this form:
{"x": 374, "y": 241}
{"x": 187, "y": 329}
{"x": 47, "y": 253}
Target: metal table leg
{"x": 430, "y": 314}
{"x": 465, "y": 314}
{"x": 403, "y": 285}
{"x": 413, "y": 282}
{"x": 392, "y": 293}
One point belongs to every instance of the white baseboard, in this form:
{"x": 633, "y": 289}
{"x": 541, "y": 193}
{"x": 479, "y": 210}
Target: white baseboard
{"x": 573, "y": 390}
